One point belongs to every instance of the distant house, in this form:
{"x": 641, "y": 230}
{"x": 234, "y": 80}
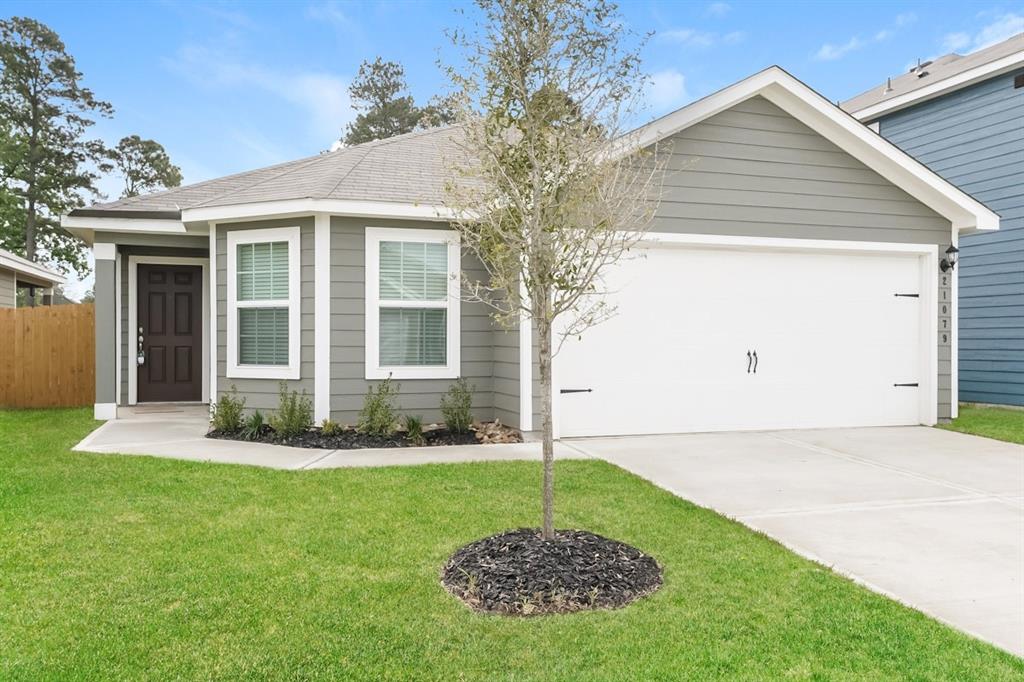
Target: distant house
{"x": 963, "y": 117}
{"x": 18, "y": 273}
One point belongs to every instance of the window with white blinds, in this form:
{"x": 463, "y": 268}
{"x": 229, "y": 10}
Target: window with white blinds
{"x": 262, "y": 278}
{"x": 262, "y": 288}
{"x": 412, "y": 297}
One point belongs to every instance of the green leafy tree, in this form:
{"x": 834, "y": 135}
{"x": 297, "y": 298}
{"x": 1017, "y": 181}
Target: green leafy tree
{"x": 144, "y": 165}
{"x": 552, "y": 190}
{"x": 381, "y": 95}
{"x": 48, "y": 166}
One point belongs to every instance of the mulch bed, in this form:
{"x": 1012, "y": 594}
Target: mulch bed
{"x": 350, "y": 439}
{"x": 518, "y": 573}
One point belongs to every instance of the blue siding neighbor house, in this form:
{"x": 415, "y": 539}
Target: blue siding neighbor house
{"x": 963, "y": 117}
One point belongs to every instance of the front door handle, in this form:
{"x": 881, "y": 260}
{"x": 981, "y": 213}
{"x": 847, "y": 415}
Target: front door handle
{"x": 755, "y": 362}
{"x": 576, "y": 390}
{"x": 750, "y": 359}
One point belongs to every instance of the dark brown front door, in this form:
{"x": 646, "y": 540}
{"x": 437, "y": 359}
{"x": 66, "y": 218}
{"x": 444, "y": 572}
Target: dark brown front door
{"x": 170, "y": 326}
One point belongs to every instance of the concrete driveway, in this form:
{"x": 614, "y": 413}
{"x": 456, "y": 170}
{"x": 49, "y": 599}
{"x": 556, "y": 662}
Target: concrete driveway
{"x": 932, "y": 518}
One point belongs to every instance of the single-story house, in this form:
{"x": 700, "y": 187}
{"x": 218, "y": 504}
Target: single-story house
{"x": 963, "y": 117}
{"x": 19, "y": 273}
{"x": 791, "y": 279}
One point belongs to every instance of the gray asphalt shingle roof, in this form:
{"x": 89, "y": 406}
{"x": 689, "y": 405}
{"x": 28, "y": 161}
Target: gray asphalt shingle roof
{"x": 408, "y": 168}
{"x": 935, "y": 71}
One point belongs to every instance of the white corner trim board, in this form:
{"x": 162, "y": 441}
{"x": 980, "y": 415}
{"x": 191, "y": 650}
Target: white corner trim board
{"x": 104, "y": 251}
{"x": 118, "y": 331}
{"x": 322, "y": 317}
{"x": 133, "y": 313}
{"x": 846, "y": 132}
{"x": 292, "y": 370}
{"x": 212, "y": 321}
{"x": 451, "y": 369}
{"x": 940, "y": 87}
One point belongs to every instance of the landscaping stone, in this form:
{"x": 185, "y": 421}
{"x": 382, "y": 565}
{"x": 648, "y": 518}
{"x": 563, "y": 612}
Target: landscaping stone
{"x": 518, "y": 573}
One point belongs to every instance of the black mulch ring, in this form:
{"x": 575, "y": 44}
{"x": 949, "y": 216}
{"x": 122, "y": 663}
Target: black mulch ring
{"x": 518, "y": 573}
{"x": 349, "y": 439}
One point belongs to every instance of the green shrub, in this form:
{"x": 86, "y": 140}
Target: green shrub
{"x": 329, "y": 428}
{"x": 227, "y": 412}
{"x": 252, "y": 428}
{"x": 457, "y": 406}
{"x": 380, "y": 412}
{"x": 414, "y": 429}
{"x": 294, "y": 413}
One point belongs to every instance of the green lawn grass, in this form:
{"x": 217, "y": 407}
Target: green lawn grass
{"x": 118, "y": 567}
{"x": 992, "y": 422}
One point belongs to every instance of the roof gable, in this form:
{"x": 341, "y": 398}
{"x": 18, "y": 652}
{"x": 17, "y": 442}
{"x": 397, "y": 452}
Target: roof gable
{"x": 807, "y": 106}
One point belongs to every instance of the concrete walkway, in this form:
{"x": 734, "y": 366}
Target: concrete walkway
{"x": 178, "y": 432}
{"x": 931, "y": 518}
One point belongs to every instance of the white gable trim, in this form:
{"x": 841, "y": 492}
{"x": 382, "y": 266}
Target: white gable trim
{"x": 835, "y": 125}
{"x": 941, "y": 87}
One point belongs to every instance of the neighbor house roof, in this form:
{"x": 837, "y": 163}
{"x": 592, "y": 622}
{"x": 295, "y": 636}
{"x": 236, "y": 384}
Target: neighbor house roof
{"x": 27, "y": 272}
{"x": 404, "y": 176}
{"x": 936, "y": 77}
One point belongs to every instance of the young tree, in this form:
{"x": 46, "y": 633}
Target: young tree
{"x": 550, "y": 192}
{"x": 386, "y": 108}
{"x": 45, "y": 160}
{"x": 144, "y": 165}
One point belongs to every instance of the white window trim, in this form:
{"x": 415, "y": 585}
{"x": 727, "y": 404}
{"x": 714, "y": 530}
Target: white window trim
{"x": 258, "y": 236}
{"x": 374, "y": 370}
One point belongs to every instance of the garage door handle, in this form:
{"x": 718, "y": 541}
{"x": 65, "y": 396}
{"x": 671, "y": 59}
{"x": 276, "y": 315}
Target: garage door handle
{"x": 755, "y": 362}
{"x": 576, "y": 390}
{"x": 750, "y": 359}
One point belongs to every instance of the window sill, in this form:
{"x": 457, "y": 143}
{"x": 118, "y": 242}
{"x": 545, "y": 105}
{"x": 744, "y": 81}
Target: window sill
{"x": 412, "y": 373}
{"x": 263, "y": 372}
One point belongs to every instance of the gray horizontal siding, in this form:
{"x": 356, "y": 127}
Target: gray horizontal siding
{"x": 264, "y": 394}
{"x": 975, "y": 139}
{"x": 755, "y": 170}
{"x": 348, "y": 326}
{"x": 8, "y": 289}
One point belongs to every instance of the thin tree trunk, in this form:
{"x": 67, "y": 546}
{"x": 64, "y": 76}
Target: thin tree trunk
{"x": 30, "y": 245}
{"x": 544, "y": 334}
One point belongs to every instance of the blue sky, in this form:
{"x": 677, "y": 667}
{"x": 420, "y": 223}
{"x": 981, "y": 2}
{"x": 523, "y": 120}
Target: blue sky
{"x": 227, "y": 87}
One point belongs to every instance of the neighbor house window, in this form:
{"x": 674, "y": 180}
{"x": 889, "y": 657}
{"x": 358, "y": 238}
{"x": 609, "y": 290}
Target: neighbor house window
{"x": 412, "y": 303}
{"x": 263, "y": 303}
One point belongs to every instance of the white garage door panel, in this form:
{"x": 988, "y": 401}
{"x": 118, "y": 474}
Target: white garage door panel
{"x": 830, "y": 335}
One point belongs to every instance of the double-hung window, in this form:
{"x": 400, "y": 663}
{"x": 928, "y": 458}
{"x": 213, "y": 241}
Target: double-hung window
{"x": 263, "y": 303}
{"x": 412, "y": 303}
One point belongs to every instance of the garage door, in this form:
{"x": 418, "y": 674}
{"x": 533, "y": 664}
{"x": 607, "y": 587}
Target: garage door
{"x": 713, "y": 339}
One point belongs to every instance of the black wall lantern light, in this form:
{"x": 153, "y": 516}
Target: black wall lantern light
{"x": 949, "y": 262}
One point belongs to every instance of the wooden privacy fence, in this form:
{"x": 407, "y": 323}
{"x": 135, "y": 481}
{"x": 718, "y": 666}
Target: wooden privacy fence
{"x": 47, "y": 356}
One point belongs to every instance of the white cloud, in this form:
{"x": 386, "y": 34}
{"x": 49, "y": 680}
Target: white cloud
{"x": 1004, "y": 26}
{"x": 690, "y": 37}
{"x": 331, "y": 12}
{"x": 718, "y": 9}
{"x": 666, "y": 90}
{"x": 323, "y": 96}
{"x": 956, "y": 41}
{"x": 829, "y": 52}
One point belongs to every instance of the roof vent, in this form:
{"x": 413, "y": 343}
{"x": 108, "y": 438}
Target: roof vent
{"x": 888, "y": 86}
{"x": 919, "y": 69}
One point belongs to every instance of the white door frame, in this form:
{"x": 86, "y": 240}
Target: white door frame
{"x": 133, "y": 313}
{"x": 927, "y": 253}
